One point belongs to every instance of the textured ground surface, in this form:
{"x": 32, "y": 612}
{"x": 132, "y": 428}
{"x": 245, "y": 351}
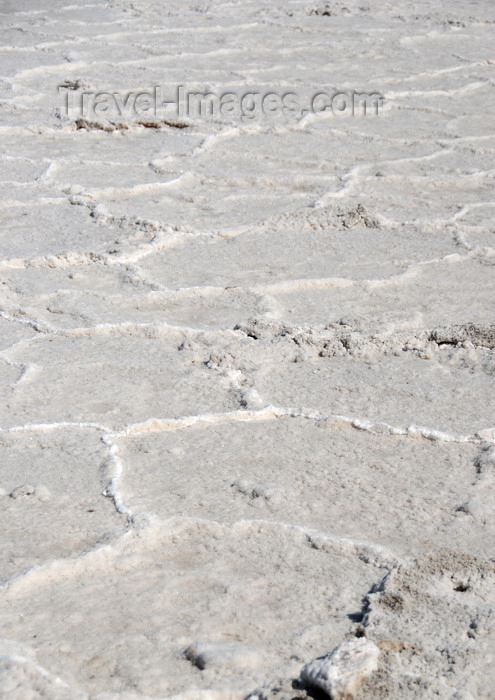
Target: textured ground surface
{"x": 245, "y": 364}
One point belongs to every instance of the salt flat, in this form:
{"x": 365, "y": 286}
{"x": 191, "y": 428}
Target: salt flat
{"x": 246, "y": 360}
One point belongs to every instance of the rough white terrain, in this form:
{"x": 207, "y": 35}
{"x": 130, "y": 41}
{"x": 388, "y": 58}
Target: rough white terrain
{"x": 246, "y": 443}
